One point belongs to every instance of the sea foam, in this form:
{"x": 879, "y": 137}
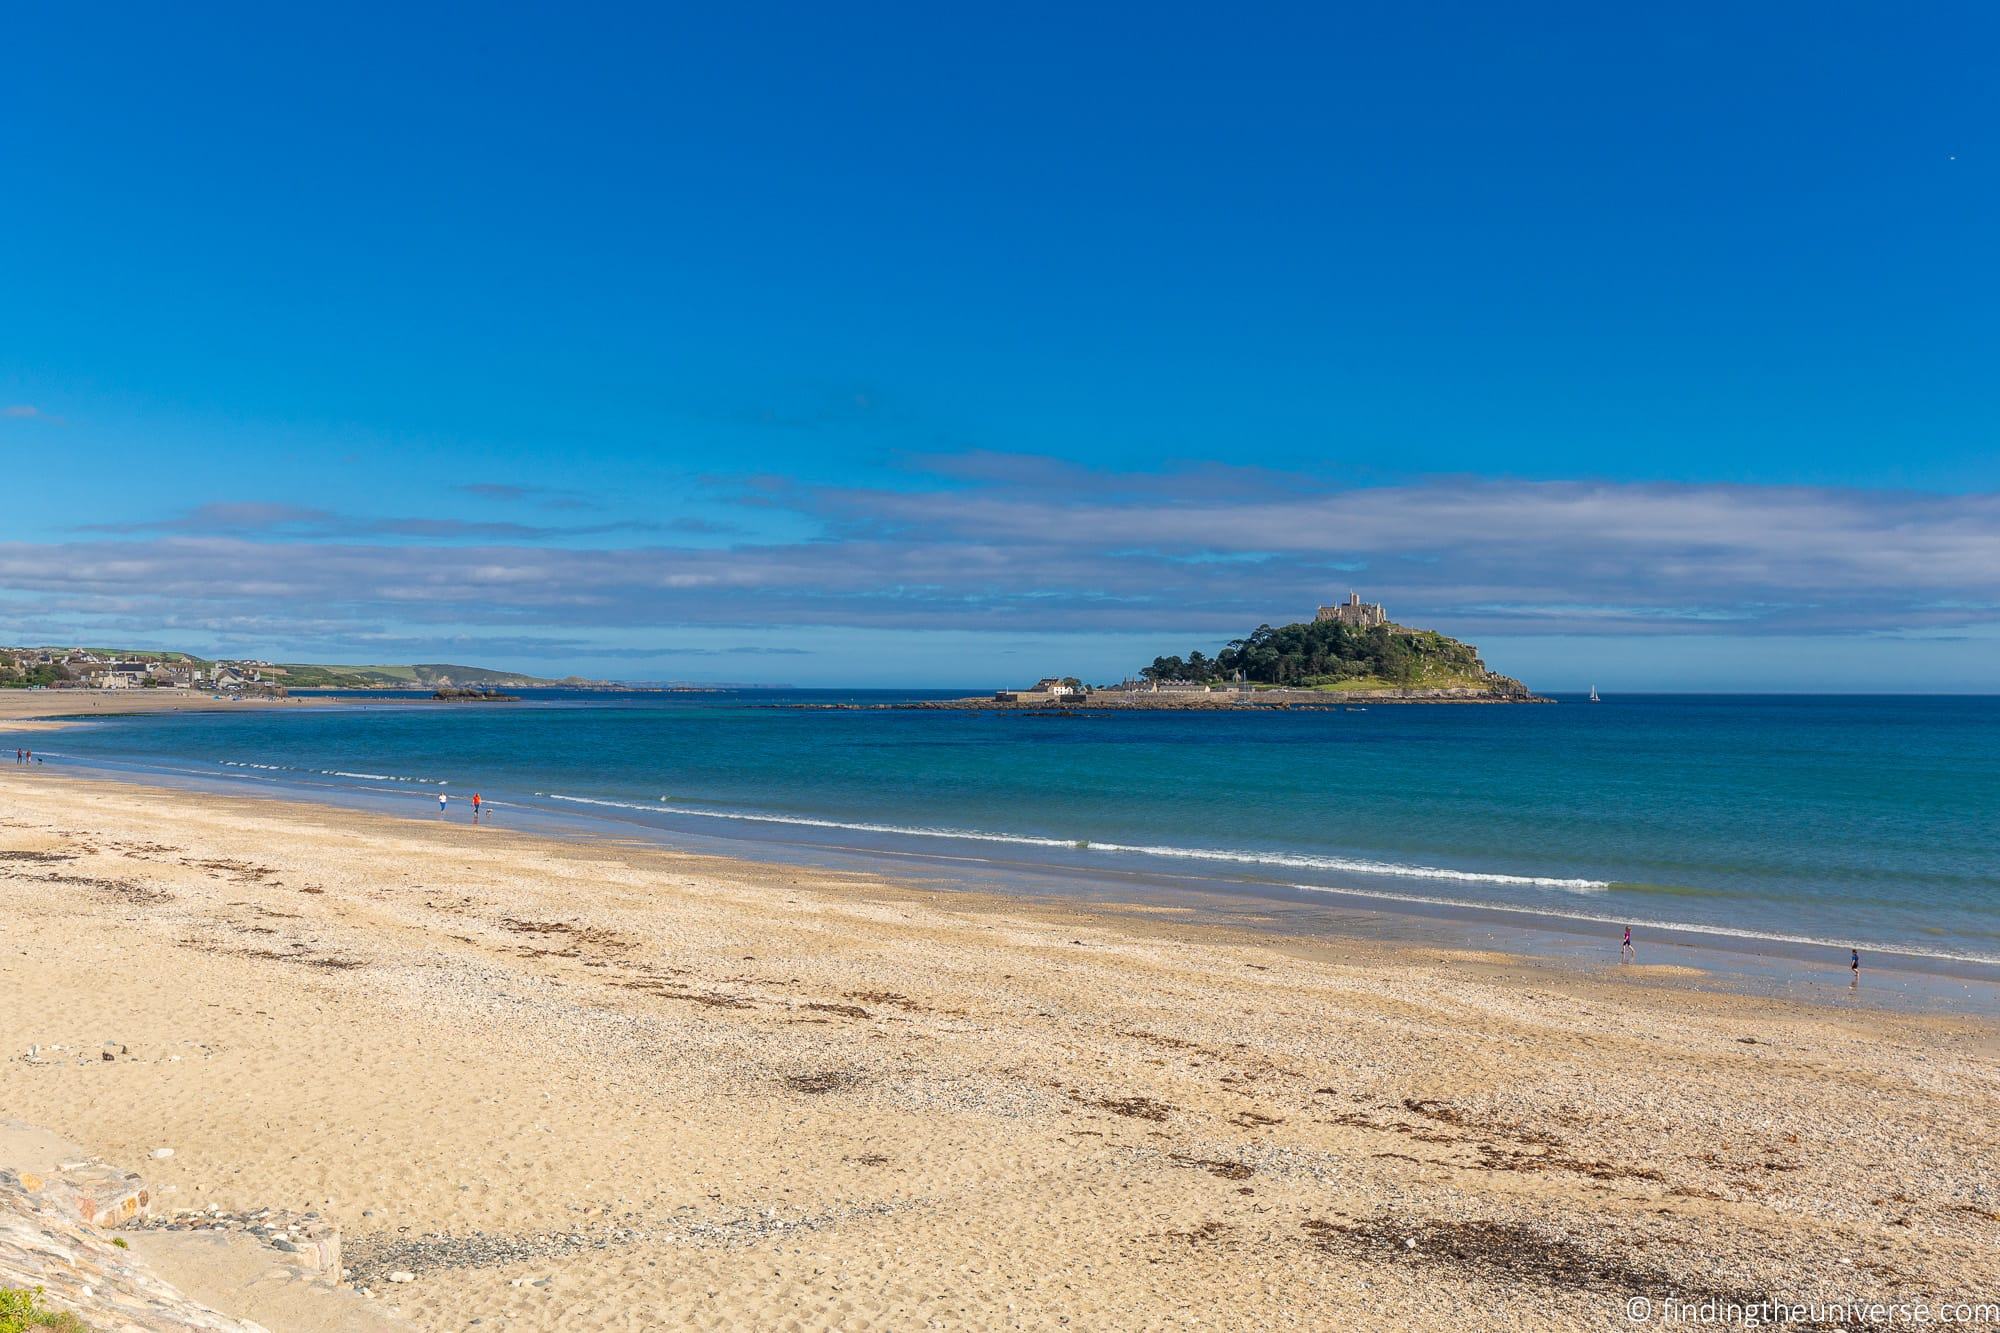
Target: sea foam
{"x": 1228, "y": 855}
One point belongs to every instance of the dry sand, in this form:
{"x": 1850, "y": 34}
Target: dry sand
{"x": 594, "y": 1085}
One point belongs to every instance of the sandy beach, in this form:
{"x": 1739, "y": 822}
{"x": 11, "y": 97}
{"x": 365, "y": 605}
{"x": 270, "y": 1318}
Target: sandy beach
{"x": 577, "y": 1085}
{"x": 45, "y": 710}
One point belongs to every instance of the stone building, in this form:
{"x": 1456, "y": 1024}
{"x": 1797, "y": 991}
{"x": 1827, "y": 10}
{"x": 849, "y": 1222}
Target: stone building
{"x": 1047, "y": 690}
{"x": 1355, "y": 612}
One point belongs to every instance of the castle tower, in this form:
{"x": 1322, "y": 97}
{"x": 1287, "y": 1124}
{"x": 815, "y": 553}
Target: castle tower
{"x": 1354, "y": 612}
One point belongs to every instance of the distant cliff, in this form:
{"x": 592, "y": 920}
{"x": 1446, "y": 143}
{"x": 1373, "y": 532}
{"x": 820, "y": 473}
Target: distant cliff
{"x": 1340, "y": 659}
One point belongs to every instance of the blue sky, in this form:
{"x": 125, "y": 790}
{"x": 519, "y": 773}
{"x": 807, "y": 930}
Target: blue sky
{"x": 896, "y": 345}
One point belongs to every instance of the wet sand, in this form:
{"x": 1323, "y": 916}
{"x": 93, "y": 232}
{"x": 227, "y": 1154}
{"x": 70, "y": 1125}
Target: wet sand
{"x": 573, "y": 1084}
{"x": 43, "y": 710}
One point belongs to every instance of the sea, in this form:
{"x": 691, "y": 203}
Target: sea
{"x": 1783, "y": 826}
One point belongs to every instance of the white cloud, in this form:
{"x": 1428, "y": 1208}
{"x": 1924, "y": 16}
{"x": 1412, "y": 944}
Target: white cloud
{"x": 1000, "y": 543}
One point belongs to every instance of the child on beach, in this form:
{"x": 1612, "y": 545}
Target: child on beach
{"x": 1626, "y": 953}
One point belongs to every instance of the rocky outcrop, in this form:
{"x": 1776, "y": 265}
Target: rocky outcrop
{"x": 48, "y": 1240}
{"x": 1498, "y": 690}
{"x": 61, "y": 1212}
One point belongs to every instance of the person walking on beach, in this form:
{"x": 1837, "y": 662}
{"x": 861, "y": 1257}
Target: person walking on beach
{"x": 475, "y": 807}
{"x": 1854, "y": 967}
{"x": 1626, "y": 953}
{"x": 443, "y": 800}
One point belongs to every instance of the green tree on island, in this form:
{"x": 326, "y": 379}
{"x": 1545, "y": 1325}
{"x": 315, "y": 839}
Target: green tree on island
{"x": 1327, "y": 653}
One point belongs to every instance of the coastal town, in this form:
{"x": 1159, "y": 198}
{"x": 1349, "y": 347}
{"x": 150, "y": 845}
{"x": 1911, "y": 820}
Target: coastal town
{"x": 89, "y": 669}
{"x": 57, "y": 668}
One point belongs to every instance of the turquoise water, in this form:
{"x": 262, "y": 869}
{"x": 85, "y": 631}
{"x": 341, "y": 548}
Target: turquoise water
{"x": 1825, "y": 820}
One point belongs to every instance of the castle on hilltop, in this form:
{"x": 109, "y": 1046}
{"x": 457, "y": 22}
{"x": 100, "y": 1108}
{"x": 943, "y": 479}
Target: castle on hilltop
{"x": 1355, "y": 612}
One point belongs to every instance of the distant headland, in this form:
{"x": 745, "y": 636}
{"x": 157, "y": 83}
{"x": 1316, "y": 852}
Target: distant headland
{"x": 135, "y": 669}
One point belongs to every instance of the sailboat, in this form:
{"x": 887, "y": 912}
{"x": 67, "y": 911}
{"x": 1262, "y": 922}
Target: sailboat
{"x": 1593, "y": 695}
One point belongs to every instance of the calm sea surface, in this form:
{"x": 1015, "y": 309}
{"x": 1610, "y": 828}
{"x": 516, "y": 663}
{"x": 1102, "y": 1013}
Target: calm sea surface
{"x": 1827, "y": 820}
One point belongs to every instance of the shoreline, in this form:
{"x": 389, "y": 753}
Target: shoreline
{"x": 727, "y": 1093}
{"x": 1744, "y": 960}
{"x": 1580, "y": 937}
{"x": 1114, "y": 701}
{"x": 759, "y": 1093}
{"x": 58, "y": 710}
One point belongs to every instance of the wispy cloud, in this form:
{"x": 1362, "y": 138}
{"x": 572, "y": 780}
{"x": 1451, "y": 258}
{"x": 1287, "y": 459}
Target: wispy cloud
{"x": 296, "y": 522}
{"x": 736, "y": 650}
{"x": 546, "y": 496}
{"x": 1017, "y": 544}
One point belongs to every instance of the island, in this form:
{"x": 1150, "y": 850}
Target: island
{"x": 1348, "y": 655}
{"x": 1350, "y": 650}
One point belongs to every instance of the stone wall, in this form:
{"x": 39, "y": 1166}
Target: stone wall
{"x": 58, "y": 1208}
{"x": 46, "y": 1242}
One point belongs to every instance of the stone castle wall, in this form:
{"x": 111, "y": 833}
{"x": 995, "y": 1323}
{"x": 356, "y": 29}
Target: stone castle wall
{"x": 1355, "y": 612}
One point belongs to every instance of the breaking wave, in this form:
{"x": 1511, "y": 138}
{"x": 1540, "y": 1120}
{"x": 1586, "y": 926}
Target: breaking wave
{"x": 1233, "y": 856}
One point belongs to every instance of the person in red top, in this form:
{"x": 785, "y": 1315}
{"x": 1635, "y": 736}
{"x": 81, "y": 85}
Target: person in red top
{"x": 475, "y": 805}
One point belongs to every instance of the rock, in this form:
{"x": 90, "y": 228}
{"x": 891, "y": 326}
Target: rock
{"x": 282, "y": 1244}
{"x": 402, "y": 1275}
{"x": 54, "y": 1238}
{"x": 162, "y": 1154}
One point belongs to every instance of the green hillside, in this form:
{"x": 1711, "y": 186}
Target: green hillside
{"x": 418, "y": 676}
